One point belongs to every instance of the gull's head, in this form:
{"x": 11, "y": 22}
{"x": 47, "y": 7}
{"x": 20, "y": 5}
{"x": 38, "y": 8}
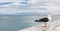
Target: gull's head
{"x": 50, "y": 17}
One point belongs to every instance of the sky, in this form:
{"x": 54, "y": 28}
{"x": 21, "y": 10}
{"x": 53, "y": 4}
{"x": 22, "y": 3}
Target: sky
{"x": 29, "y": 7}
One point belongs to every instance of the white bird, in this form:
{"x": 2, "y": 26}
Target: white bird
{"x": 50, "y": 26}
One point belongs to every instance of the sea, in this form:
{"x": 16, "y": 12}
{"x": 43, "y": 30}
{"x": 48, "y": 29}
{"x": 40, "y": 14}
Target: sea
{"x": 15, "y": 23}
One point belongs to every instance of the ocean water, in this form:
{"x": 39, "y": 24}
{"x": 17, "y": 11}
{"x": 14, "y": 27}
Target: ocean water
{"x": 14, "y": 23}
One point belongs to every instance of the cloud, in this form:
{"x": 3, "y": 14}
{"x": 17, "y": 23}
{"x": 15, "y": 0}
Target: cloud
{"x": 16, "y": 11}
{"x": 54, "y": 10}
{"x": 9, "y": 0}
{"x": 51, "y": 7}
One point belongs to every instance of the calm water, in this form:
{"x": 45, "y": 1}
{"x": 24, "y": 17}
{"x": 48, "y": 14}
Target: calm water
{"x": 14, "y": 23}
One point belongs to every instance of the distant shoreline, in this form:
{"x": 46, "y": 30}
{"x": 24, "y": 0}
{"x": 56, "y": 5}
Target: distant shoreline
{"x": 27, "y": 15}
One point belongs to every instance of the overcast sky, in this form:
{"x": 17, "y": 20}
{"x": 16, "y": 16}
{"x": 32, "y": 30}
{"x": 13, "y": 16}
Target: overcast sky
{"x": 39, "y": 7}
